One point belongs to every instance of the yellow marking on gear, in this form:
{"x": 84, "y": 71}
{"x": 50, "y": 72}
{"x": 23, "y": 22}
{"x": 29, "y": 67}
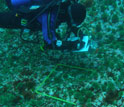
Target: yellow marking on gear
{"x": 16, "y": 15}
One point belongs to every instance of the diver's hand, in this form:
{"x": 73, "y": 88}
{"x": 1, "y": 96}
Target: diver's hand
{"x": 77, "y": 42}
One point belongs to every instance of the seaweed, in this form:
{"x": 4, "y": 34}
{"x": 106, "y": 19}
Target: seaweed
{"x": 115, "y": 18}
{"x": 105, "y": 17}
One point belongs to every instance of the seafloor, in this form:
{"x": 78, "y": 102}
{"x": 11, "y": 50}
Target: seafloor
{"x": 100, "y": 82}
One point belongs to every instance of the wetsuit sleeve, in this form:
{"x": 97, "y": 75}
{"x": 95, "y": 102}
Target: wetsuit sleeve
{"x": 9, "y": 20}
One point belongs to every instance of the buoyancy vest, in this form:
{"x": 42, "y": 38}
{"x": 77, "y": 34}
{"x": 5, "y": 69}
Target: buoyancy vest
{"x": 26, "y": 6}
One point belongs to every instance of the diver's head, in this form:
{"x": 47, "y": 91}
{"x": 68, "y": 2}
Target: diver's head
{"x": 77, "y": 14}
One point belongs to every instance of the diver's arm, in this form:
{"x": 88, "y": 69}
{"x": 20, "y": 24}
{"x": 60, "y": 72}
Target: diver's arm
{"x": 13, "y": 20}
{"x": 65, "y": 45}
{"x": 9, "y": 20}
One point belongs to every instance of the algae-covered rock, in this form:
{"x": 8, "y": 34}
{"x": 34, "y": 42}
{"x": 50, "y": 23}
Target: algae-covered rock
{"x": 115, "y": 18}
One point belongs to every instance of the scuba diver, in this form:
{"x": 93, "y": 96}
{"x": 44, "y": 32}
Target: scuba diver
{"x": 46, "y": 15}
